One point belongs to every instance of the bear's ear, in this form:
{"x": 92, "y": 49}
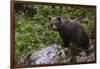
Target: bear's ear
{"x": 49, "y": 18}
{"x": 59, "y": 18}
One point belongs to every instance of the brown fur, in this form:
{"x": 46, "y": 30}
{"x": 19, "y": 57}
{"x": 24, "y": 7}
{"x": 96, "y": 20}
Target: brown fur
{"x": 70, "y": 31}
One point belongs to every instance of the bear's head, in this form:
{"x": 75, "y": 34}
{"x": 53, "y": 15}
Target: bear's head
{"x": 57, "y": 22}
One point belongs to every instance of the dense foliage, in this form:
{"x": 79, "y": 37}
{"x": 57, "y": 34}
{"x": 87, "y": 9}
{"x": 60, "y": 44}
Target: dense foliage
{"x": 32, "y": 30}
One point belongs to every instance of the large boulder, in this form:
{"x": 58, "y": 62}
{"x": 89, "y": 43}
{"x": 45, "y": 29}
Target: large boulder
{"x": 55, "y": 54}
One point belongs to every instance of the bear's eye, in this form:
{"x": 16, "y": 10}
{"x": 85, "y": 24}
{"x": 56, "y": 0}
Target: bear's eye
{"x": 51, "y": 24}
{"x": 57, "y": 23}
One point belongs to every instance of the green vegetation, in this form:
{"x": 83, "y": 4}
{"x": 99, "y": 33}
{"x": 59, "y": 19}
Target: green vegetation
{"x": 32, "y": 30}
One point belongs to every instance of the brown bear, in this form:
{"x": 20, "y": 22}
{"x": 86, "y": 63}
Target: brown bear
{"x": 70, "y": 31}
